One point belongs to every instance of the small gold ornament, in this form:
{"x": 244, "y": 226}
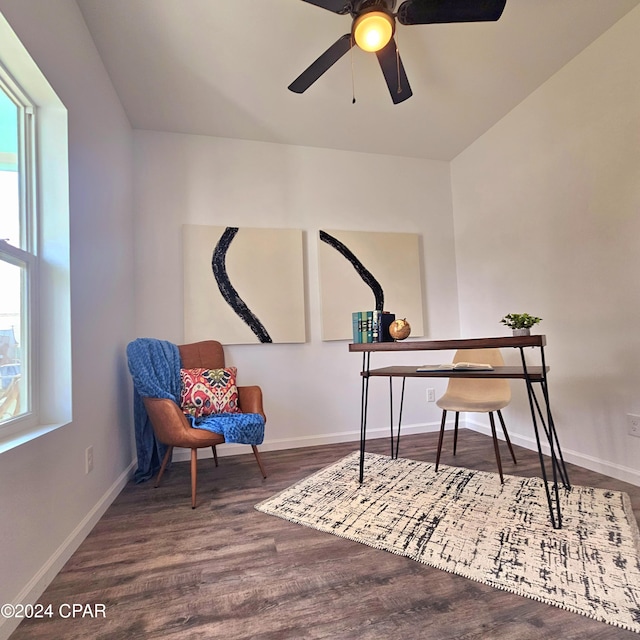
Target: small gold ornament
{"x": 399, "y": 329}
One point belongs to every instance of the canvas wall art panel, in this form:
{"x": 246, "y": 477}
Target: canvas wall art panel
{"x": 243, "y": 285}
{"x": 367, "y": 270}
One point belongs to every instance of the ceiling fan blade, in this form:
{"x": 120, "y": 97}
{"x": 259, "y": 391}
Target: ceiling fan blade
{"x": 394, "y": 73}
{"x": 322, "y": 64}
{"x": 337, "y": 6}
{"x": 438, "y": 11}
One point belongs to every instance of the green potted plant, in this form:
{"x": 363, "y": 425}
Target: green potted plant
{"x": 520, "y": 323}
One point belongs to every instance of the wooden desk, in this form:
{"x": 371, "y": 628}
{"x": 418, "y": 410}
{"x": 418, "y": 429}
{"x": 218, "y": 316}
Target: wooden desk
{"x": 530, "y": 374}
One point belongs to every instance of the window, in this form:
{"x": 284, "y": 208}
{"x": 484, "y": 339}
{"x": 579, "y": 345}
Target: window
{"x": 18, "y": 260}
{"x": 35, "y": 280}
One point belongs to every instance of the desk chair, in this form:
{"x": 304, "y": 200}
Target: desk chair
{"x": 478, "y": 395}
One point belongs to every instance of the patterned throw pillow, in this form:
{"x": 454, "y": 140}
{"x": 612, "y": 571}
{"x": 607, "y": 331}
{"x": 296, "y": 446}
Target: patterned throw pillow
{"x": 207, "y": 391}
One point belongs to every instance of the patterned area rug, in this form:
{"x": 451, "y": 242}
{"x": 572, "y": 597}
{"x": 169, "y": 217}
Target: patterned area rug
{"x": 466, "y": 522}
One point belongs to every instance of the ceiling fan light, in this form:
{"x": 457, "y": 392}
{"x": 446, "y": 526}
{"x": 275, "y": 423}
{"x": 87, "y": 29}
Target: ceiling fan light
{"x": 373, "y": 30}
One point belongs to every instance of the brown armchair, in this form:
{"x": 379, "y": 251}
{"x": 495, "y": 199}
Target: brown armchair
{"x": 171, "y": 426}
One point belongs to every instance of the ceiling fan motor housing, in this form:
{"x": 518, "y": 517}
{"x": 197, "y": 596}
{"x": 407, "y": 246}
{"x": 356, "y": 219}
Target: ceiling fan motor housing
{"x": 358, "y": 7}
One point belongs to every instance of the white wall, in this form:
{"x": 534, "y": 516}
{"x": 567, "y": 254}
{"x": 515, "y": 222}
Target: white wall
{"x": 312, "y": 390}
{"x": 547, "y": 221}
{"x": 47, "y": 502}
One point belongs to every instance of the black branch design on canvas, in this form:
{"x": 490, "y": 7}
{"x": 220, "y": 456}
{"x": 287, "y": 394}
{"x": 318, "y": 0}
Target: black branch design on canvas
{"x": 366, "y": 275}
{"x": 231, "y": 296}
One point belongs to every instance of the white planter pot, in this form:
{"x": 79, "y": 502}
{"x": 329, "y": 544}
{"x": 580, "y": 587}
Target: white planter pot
{"x": 521, "y": 332}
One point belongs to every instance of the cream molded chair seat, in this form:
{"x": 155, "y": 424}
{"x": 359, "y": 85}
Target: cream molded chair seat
{"x": 477, "y": 395}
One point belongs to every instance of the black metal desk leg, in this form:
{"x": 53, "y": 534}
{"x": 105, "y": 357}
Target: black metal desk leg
{"x": 391, "y": 411}
{"x": 364, "y": 400}
{"x": 399, "y": 421}
{"x": 557, "y": 524}
{"x": 553, "y": 434}
{"x": 555, "y": 521}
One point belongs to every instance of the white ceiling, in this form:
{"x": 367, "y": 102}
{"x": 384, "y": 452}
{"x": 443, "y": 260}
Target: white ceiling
{"x": 222, "y": 67}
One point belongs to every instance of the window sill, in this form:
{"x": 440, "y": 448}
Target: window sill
{"x": 17, "y": 437}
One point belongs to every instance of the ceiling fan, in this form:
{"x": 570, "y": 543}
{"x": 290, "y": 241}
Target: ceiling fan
{"x": 373, "y": 26}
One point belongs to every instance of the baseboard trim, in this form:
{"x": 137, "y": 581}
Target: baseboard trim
{"x": 617, "y": 471}
{"x": 43, "y": 578}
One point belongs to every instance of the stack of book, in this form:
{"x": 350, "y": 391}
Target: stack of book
{"x": 371, "y": 326}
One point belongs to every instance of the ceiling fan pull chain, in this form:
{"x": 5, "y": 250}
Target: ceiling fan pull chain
{"x": 353, "y": 78}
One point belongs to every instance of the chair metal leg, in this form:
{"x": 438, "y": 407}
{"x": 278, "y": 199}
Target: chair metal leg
{"x": 506, "y": 437}
{"x": 215, "y": 454}
{"x": 495, "y": 445}
{"x": 194, "y": 476}
{"x": 455, "y": 433}
{"x": 444, "y": 417}
{"x": 167, "y": 457}
{"x": 259, "y": 460}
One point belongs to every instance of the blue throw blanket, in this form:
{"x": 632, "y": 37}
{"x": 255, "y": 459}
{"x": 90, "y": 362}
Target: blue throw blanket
{"x": 241, "y": 428}
{"x": 155, "y": 369}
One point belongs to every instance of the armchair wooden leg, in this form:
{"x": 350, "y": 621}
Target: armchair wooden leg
{"x": 506, "y": 437}
{"x": 194, "y": 476}
{"x": 165, "y": 461}
{"x": 495, "y": 445}
{"x": 444, "y": 417}
{"x": 257, "y": 455}
{"x": 215, "y": 454}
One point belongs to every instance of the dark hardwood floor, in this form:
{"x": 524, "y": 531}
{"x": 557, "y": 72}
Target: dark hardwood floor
{"x": 224, "y": 570}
